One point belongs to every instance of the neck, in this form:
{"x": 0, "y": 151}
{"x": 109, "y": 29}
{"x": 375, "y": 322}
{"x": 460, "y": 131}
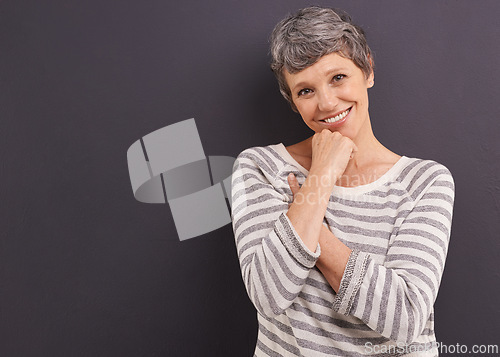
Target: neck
{"x": 369, "y": 148}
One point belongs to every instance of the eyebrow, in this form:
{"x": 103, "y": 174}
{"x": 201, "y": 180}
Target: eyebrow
{"x": 327, "y": 73}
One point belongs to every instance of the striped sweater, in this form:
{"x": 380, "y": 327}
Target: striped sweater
{"x": 398, "y": 228}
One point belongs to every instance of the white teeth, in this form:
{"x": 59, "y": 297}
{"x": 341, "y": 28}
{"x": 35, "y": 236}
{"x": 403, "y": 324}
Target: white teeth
{"x": 338, "y": 117}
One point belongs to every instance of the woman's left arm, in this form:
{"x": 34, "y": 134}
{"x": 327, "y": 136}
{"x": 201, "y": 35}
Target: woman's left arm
{"x": 395, "y": 298}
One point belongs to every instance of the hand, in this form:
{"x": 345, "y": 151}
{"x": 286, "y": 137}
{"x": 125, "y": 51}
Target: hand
{"x": 331, "y": 152}
{"x": 294, "y": 186}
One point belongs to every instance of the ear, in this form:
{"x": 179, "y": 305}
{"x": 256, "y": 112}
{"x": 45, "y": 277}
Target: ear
{"x": 371, "y": 80}
{"x": 371, "y": 77}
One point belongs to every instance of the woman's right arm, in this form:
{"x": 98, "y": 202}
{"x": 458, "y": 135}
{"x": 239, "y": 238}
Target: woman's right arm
{"x": 274, "y": 241}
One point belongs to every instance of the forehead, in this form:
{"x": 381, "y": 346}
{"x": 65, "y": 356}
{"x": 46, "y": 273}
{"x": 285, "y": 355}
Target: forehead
{"x": 325, "y": 66}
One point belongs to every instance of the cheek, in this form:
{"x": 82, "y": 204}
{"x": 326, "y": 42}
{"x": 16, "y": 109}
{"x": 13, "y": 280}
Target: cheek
{"x": 306, "y": 109}
{"x": 355, "y": 94}
{"x": 349, "y": 93}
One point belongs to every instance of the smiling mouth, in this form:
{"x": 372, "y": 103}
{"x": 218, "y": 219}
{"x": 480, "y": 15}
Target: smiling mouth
{"x": 337, "y": 118}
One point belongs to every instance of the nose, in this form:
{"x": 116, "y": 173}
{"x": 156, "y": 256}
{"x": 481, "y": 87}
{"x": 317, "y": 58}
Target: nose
{"x": 327, "y": 100}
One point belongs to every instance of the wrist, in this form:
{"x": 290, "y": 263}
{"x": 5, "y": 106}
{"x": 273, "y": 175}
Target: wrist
{"x": 324, "y": 177}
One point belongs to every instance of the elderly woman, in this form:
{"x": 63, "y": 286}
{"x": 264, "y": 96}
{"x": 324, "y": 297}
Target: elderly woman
{"x": 341, "y": 242}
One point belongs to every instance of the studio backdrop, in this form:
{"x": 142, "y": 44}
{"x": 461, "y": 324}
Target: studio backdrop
{"x": 101, "y": 99}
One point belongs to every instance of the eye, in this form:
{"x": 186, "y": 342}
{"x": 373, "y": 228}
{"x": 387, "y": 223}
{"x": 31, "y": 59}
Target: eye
{"x": 338, "y": 77}
{"x": 304, "y": 91}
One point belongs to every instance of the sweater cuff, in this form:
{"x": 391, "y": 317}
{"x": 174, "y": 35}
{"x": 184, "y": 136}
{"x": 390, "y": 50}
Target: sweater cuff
{"x": 351, "y": 281}
{"x": 293, "y": 243}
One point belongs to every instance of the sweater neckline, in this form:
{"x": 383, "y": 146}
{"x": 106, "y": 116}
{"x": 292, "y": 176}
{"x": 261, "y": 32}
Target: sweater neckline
{"x": 390, "y": 175}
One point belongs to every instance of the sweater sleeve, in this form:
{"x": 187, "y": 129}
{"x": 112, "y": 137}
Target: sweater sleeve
{"x": 273, "y": 259}
{"x": 396, "y": 298}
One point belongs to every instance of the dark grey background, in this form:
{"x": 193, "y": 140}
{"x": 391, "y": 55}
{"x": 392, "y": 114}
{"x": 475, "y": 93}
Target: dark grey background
{"x": 88, "y": 271}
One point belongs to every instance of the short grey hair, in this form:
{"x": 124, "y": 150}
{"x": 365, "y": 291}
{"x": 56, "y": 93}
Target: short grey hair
{"x": 301, "y": 39}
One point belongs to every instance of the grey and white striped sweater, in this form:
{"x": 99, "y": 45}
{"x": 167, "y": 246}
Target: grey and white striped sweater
{"x": 398, "y": 228}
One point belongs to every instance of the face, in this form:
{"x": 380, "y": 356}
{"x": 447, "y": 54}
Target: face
{"x": 332, "y": 94}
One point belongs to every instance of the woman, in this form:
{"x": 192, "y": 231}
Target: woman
{"x": 341, "y": 242}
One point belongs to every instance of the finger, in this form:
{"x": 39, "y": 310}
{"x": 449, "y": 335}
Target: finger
{"x": 294, "y": 184}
